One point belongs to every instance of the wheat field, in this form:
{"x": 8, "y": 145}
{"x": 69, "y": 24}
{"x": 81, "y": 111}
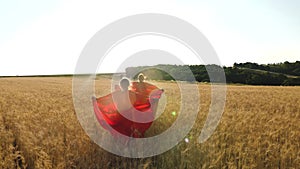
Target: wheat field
{"x": 260, "y": 128}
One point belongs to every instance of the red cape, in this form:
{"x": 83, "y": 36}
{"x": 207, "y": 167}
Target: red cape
{"x": 146, "y": 98}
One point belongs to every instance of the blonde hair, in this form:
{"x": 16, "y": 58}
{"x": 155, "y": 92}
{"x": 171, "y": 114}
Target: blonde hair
{"x": 141, "y": 75}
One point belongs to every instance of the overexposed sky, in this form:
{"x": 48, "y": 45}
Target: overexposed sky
{"x": 46, "y": 37}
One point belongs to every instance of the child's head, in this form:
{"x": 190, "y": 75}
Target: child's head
{"x": 141, "y": 77}
{"x": 124, "y": 83}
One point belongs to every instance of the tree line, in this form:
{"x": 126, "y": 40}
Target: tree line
{"x": 285, "y": 68}
{"x": 244, "y": 73}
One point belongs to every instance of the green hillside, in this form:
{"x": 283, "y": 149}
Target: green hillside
{"x": 244, "y": 73}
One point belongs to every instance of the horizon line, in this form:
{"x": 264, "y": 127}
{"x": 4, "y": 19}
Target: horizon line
{"x": 110, "y": 73}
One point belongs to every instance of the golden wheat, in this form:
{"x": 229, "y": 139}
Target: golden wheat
{"x": 260, "y": 128}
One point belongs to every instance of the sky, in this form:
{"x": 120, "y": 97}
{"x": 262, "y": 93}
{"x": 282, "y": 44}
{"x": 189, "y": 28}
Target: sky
{"x": 47, "y": 37}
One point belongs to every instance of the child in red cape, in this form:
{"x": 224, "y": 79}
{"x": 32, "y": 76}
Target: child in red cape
{"x": 137, "y": 106}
